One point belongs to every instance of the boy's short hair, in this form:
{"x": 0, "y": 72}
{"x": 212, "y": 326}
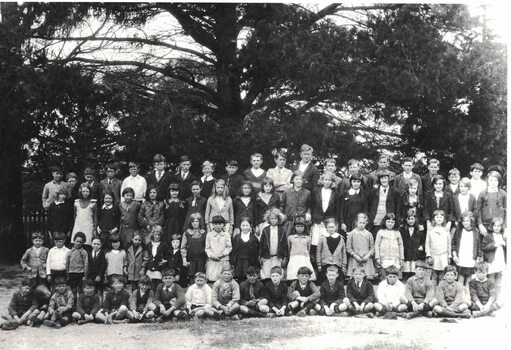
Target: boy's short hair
{"x": 71, "y": 175}
{"x": 383, "y": 174}
{"x": 128, "y": 190}
{"x": 434, "y": 161}
{"x": 37, "y": 235}
{"x": 196, "y": 183}
{"x": 276, "y": 269}
{"x": 392, "y": 270}
{"x": 62, "y": 190}
{"x": 117, "y": 278}
{"x": 218, "y": 219}
{"x": 200, "y": 275}
{"x": 407, "y": 159}
{"x": 175, "y": 237}
{"x": 145, "y": 280}
{"x": 437, "y": 178}
{"x": 330, "y": 160}
{"x": 304, "y": 270}
{"x": 421, "y": 264}
{"x": 226, "y": 268}
{"x": 88, "y": 171}
{"x": 252, "y": 271}
{"x": 206, "y": 163}
{"x": 332, "y": 268}
{"x": 56, "y": 169}
{"x": 232, "y": 162}
{"x": 454, "y": 171}
{"x": 466, "y": 182}
{"x": 450, "y": 268}
{"x": 383, "y": 156}
{"x": 184, "y": 158}
{"x": 168, "y": 272}
{"x": 359, "y": 269}
{"x": 133, "y": 164}
{"x": 306, "y": 148}
{"x": 112, "y": 166}
{"x": 80, "y": 235}
{"x": 256, "y": 155}
{"x": 361, "y": 216}
{"x": 158, "y": 158}
{"x": 59, "y": 236}
{"x": 321, "y": 181}
{"x": 477, "y": 166}
{"x": 25, "y": 282}
{"x": 96, "y": 238}
{"x": 89, "y": 283}
{"x": 353, "y": 162}
{"x": 481, "y": 266}
{"x": 60, "y": 281}
{"x": 411, "y": 213}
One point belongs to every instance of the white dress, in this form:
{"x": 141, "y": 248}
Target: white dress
{"x": 466, "y": 254}
{"x": 499, "y": 261}
{"x": 299, "y": 256}
{"x": 84, "y": 220}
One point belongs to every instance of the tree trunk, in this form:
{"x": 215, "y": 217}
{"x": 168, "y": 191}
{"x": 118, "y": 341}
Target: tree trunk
{"x": 12, "y": 241}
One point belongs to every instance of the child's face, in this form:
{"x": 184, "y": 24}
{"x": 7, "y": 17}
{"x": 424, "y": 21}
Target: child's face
{"x": 96, "y": 244}
{"x": 110, "y": 173}
{"x": 143, "y": 287}
{"x": 195, "y": 223}
{"x": 219, "y": 189}
{"x": 57, "y": 176}
{"x": 245, "y": 189}
{"x": 412, "y": 189}
{"x": 61, "y": 288}
{"x": 331, "y": 276}
{"x": 71, "y": 182}
{"x": 37, "y": 242}
{"x": 78, "y": 242}
{"x": 116, "y": 245}
{"x": 354, "y": 168}
{"x": 299, "y": 228}
{"x": 358, "y": 276}
{"x": 439, "y": 219}
{"x": 185, "y": 166}
{"x": 433, "y": 168}
{"x": 199, "y": 281}
{"x": 156, "y": 234}
{"x": 361, "y": 224}
{"x": 168, "y": 280}
{"x": 383, "y": 163}
{"x": 410, "y": 220}
{"x": 481, "y": 275}
{"x": 280, "y": 161}
{"x": 327, "y": 182}
{"x": 89, "y": 178}
{"x": 59, "y": 243}
{"x": 85, "y": 192}
{"x": 330, "y": 167}
{"x": 88, "y": 290}
{"x": 454, "y": 178}
{"x": 137, "y": 240}
{"x": 159, "y": 166}
{"x": 298, "y": 181}
{"x": 420, "y": 272}
{"x": 245, "y": 227}
{"x": 497, "y": 227}
{"x": 306, "y": 156}
{"x": 267, "y": 188}
{"x": 117, "y": 286}
{"x": 128, "y": 197}
{"x": 466, "y": 223}
{"x": 218, "y": 226}
{"x": 173, "y": 193}
{"x": 355, "y": 184}
{"x": 384, "y": 181}
{"x": 25, "y": 290}
{"x": 107, "y": 199}
{"x": 196, "y": 190}
{"x": 62, "y": 197}
{"x": 256, "y": 162}
{"x": 274, "y": 220}
{"x": 330, "y": 228}
{"x": 439, "y": 186}
{"x": 493, "y": 182}
{"x": 391, "y": 279}
{"x": 252, "y": 278}
{"x": 476, "y": 174}
{"x": 133, "y": 171}
{"x": 463, "y": 189}
{"x": 226, "y": 276}
{"x": 153, "y": 193}
{"x": 303, "y": 278}
{"x": 231, "y": 169}
{"x": 275, "y": 278}
{"x": 450, "y": 276}
{"x": 207, "y": 170}
{"x": 390, "y": 223}
{"x": 175, "y": 243}
{"x": 407, "y": 167}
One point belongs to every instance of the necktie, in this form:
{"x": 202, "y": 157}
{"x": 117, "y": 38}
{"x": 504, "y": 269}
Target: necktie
{"x": 194, "y": 202}
{"x": 95, "y": 255}
{"x": 109, "y": 182}
{"x": 251, "y": 292}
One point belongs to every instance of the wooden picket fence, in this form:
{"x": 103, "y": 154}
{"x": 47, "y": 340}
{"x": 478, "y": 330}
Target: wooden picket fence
{"x": 34, "y": 220}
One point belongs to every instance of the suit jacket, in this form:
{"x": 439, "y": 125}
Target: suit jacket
{"x": 472, "y": 206}
{"x": 97, "y": 266}
{"x": 448, "y": 188}
{"x": 401, "y": 184}
{"x": 260, "y": 291}
{"x": 363, "y": 295}
{"x": 264, "y": 244}
{"x": 456, "y": 240}
{"x": 277, "y": 297}
{"x": 161, "y": 186}
{"x": 331, "y": 295}
{"x": 233, "y": 183}
{"x": 427, "y": 182}
{"x": 325, "y": 257}
{"x": 412, "y": 243}
{"x": 310, "y": 176}
{"x": 115, "y": 187}
{"x": 162, "y": 253}
{"x": 36, "y": 261}
{"x": 446, "y": 204}
{"x": 185, "y": 184}
{"x": 200, "y": 207}
{"x": 226, "y": 211}
{"x": 390, "y": 203}
{"x": 318, "y": 215}
{"x": 241, "y": 210}
{"x": 176, "y": 261}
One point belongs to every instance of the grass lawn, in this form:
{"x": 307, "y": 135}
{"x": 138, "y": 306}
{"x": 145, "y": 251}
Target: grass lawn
{"x": 282, "y": 333}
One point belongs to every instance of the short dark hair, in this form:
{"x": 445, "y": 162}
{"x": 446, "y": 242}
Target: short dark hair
{"x": 276, "y": 269}
{"x": 252, "y": 271}
{"x": 89, "y": 283}
{"x": 232, "y": 162}
{"x": 128, "y": 190}
{"x": 392, "y": 270}
{"x": 158, "y": 158}
{"x": 168, "y": 272}
{"x": 80, "y": 235}
{"x": 450, "y": 268}
{"x": 304, "y": 270}
{"x": 218, "y": 219}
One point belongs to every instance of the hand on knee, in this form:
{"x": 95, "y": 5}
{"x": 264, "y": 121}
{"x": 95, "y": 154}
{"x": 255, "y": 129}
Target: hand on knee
{"x": 76, "y": 316}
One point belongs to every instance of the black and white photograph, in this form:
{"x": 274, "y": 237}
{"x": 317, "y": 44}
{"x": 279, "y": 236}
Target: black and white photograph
{"x": 219, "y": 175}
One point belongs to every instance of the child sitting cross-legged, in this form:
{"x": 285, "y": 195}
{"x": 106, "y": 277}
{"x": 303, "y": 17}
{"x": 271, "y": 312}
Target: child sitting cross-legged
{"x": 142, "y": 301}
{"x": 42, "y": 296}
{"x": 332, "y": 294}
{"x": 420, "y": 292}
{"x": 115, "y": 304}
{"x": 88, "y": 304}
{"x": 226, "y": 295}
{"x": 450, "y": 296}
{"x": 359, "y": 293}
{"x": 169, "y": 298}
{"x": 20, "y": 308}
{"x": 61, "y": 305}
{"x": 253, "y": 295}
{"x": 198, "y": 298}
{"x": 277, "y": 292}
{"x": 390, "y": 293}
{"x": 483, "y": 292}
{"x": 303, "y": 294}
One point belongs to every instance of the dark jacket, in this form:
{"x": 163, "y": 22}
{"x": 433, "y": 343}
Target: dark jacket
{"x": 97, "y": 267}
{"x": 446, "y": 204}
{"x": 60, "y": 217}
{"x": 403, "y": 205}
{"x": 456, "y": 240}
{"x": 199, "y": 207}
{"x": 260, "y": 291}
{"x": 161, "y": 186}
{"x": 253, "y": 258}
{"x": 186, "y": 184}
{"x": 317, "y": 206}
{"x": 113, "y": 300}
{"x": 233, "y": 183}
{"x": 277, "y": 297}
{"x": 412, "y": 243}
{"x": 390, "y": 203}
{"x": 310, "y": 176}
{"x": 264, "y": 244}
{"x": 488, "y": 247}
{"x": 162, "y": 253}
{"x": 262, "y": 207}
{"x": 241, "y": 210}
{"x": 363, "y": 295}
{"x": 472, "y": 206}
{"x": 115, "y": 188}
{"x": 331, "y": 295}
{"x": 164, "y": 296}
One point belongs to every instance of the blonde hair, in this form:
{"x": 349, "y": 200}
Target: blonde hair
{"x": 274, "y": 212}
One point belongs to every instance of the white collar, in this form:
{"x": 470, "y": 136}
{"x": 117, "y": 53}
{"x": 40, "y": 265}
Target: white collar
{"x": 107, "y": 206}
{"x": 335, "y": 235}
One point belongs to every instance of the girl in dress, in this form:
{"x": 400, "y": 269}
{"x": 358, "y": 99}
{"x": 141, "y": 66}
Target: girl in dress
{"x": 207, "y": 180}
{"x": 360, "y": 248}
{"x": 494, "y": 248}
{"x": 388, "y": 246}
{"x": 86, "y": 216}
{"x": 193, "y": 247}
{"x": 218, "y": 248}
{"x": 136, "y": 261}
{"x": 245, "y": 250}
{"x": 280, "y": 175}
{"x": 244, "y": 206}
{"x": 412, "y": 199}
{"x": 151, "y": 213}
{"x": 174, "y": 214}
{"x": 299, "y": 244}
{"x": 129, "y": 216}
{"x": 158, "y": 254}
{"x": 115, "y": 259}
{"x": 255, "y": 174}
{"x": 352, "y": 202}
{"x": 266, "y": 199}
{"x": 464, "y": 201}
{"x": 273, "y": 249}
{"x": 413, "y": 243}
{"x": 219, "y": 203}
{"x": 438, "y": 246}
{"x": 296, "y": 202}
{"x": 466, "y": 250}
{"x": 491, "y": 203}
{"x": 109, "y": 217}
